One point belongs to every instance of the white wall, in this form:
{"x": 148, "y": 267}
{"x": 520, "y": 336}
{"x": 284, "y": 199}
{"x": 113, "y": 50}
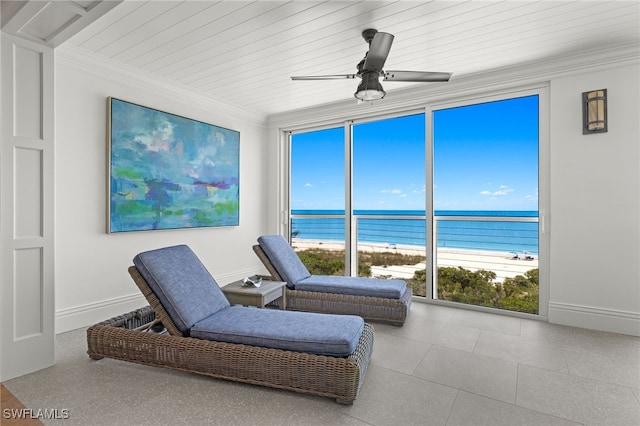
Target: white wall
{"x": 91, "y": 279}
{"x": 595, "y": 199}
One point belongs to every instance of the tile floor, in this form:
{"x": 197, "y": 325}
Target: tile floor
{"x": 446, "y": 366}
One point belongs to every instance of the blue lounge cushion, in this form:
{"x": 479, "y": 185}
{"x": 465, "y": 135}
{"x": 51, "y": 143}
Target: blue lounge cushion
{"x": 284, "y": 259}
{"x": 183, "y": 285}
{"x": 357, "y": 286}
{"x": 322, "y": 334}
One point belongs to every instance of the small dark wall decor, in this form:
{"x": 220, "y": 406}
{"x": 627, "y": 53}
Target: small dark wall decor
{"x": 169, "y": 172}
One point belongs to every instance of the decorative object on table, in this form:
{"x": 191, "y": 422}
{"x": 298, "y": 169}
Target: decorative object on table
{"x": 252, "y": 281}
{"x": 169, "y": 172}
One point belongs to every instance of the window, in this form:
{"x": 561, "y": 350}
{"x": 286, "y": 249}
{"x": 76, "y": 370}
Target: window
{"x": 446, "y": 200}
{"x": 378, "y": 228}
{"x": 485, "y": 200}
{"x": 317, "y": 200}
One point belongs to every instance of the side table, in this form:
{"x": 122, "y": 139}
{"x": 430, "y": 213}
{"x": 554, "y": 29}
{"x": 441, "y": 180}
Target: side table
{"x": 239, "y": 294}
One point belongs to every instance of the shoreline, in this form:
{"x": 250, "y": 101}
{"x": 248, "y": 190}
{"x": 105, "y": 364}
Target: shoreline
{"x": 502, "y": 263}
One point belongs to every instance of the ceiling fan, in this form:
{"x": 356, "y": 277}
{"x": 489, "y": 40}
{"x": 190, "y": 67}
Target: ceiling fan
{"x": 370, "y": 69}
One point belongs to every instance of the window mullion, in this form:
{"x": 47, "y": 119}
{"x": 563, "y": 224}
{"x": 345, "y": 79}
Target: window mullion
{"x": 350, "y": 250}
{"x": 430, "y": 224}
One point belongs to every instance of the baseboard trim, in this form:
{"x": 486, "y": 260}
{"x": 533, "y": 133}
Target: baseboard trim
{"x": 91, "y": 313}
{"x": 616, "y": 321}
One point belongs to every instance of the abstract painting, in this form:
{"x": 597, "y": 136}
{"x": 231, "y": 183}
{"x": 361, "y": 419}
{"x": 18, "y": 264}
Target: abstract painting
{"x": 169, "y": 172}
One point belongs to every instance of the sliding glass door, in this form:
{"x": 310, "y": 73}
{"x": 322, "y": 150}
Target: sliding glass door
{"x": 358, "y": 202}
{"x": 317, "y": 199}
{"x": 485, "y": 200}
{"x": 446, "y": 200}
{"x": 389, "y": 198}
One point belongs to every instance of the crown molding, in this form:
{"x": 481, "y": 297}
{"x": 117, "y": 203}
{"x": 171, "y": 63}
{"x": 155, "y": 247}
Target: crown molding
{"x": 504, "y": 78}
{"x": 126, "y": 74}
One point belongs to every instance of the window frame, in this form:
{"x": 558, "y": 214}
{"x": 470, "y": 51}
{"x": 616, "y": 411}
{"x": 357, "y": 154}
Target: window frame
{"x": 543, "y": 192}
{"x": 447, "y": 101}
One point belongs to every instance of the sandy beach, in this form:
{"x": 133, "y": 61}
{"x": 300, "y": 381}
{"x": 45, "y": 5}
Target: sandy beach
{"x": 502, "y": 263}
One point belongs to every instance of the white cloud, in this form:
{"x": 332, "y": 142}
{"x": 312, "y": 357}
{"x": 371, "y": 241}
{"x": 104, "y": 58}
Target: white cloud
{"x": 504, "y": 190}
{"x": 308, "y": 185}
{"x": 391, "y": 191}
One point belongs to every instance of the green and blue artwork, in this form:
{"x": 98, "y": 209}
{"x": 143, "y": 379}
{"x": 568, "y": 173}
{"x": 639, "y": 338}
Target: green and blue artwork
{"x": 169, "y": 172}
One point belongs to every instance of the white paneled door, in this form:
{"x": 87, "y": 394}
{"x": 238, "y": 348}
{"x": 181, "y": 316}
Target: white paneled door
{"x": 27, "y": 208}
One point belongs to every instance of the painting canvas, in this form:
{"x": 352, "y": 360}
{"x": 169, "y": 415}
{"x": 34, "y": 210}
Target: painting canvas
{"x": 169, "y": 172}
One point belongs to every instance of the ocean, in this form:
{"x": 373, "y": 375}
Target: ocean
{"x": 405, "y": 227}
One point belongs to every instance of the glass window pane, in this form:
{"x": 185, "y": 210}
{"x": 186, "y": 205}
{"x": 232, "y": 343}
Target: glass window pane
{"x": 317, "y": 170}
{"x": 317, "y": 200}
{"x": 389, "y": 164}
{"x": 485, "y": 168}
{"x": 389, "y": 198}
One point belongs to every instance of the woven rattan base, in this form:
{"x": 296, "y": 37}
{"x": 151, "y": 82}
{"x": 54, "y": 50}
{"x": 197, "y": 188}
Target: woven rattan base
{"x": 341, "y": 378}
{"x": 370, "y": 308}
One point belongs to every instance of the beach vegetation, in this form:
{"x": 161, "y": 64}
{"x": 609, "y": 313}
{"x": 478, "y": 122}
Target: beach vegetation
{"x": 386, "y": 259}
{"x": 331, "y": 262}
{"x": 479, "y": 288}
{"x": 456, "y": 284}
{"x": 322, "y": 262}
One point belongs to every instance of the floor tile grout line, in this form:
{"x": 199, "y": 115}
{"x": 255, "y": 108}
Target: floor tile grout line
{"x": 446, "y": 423}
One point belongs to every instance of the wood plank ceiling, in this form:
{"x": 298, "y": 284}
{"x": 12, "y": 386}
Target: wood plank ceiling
{"x": 243, "y": 53}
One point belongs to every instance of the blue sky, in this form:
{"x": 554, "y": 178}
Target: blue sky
{"x": 485, "y": 158}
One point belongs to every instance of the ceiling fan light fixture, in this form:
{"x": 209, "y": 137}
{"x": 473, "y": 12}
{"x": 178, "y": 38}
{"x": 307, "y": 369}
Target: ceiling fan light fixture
{"x": 371, "y": 69}
{"x": 370, "y": 88}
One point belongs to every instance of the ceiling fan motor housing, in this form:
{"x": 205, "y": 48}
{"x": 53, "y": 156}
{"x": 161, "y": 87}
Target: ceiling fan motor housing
{"x": 368, "y": 34}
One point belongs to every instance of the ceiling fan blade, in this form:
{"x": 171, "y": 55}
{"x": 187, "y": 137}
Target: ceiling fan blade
{"x": 324, "y": 77}
{"x": 378, "y": 52}
{"x": 418, "y": 76}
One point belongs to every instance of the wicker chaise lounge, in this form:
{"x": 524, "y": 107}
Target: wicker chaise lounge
{"x": 372, "y": 299}
{"x": 267, "y": 347}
